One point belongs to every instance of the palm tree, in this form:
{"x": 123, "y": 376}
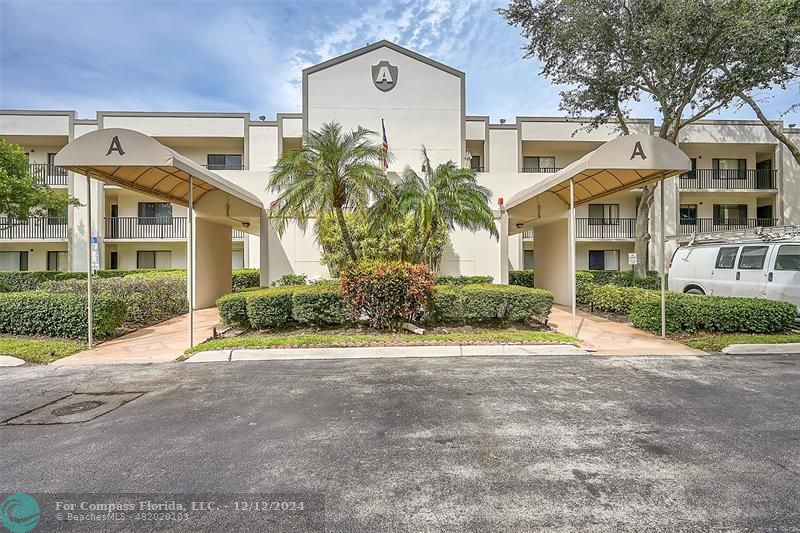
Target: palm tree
{"x": 446, "y": 197}
{"x": 331, "y": 172}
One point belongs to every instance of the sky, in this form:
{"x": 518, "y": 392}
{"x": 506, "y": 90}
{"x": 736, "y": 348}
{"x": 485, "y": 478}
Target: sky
{"x": 247, "y": 56}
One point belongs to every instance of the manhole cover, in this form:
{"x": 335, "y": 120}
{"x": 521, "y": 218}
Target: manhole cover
{"x": 75, "y": 408}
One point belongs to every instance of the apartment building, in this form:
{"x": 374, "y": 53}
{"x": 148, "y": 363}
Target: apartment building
{"x": 741, "y": 176}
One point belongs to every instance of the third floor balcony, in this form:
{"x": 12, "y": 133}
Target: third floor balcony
{"x": 729, "y": 179}
{"x": 34, "y": 228}
{"x": 150, "y": 228}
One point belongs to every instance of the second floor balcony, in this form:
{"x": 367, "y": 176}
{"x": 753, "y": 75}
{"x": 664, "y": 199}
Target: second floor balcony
{"x": 145, "y": 228}
{"x": 541, "y": 170}
{"x": 687, "y": 226}
{"x": 728, "y": 179}
{"x": 34, "y": 228}
{"x": 46, "y": 174}
{"x": 605, "y": 228}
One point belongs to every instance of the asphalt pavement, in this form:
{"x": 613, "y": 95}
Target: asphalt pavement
{"x": 446, "y": 444}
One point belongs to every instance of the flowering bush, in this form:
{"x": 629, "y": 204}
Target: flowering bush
{"x": 386, "y": 293}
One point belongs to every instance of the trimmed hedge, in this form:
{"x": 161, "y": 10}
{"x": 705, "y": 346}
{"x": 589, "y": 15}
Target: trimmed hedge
{"x": 30, "y": 280}
{"x": 58, "y": 315}
{"x": 616, "y": 299}
{"x": 687, "y": 312}
{"x": 245, "y": 278}
{"x": 150, "y": 297}
{"x": 489, "y": 303}
{"x": 463, "y": 280}
{"x": 587, "y": 280}
{"x": 314, "y": 305}
{"x": 523, "y": 278}
{"x": 290, "y": 279}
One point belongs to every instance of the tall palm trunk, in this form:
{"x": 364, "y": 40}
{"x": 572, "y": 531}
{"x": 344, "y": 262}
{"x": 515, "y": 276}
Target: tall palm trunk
{"x": 348, "y": 242}
{"x": 424, "y": 244}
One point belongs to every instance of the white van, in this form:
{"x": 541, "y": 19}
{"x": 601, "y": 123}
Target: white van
{"x": 755, "y": 268}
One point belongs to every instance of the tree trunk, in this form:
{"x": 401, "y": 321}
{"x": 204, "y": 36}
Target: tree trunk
{"x": 778, "y": 134}
{"x": 642, "y": 243}
{"x": 421, "y": 250}
{"x": 348, "y": 242}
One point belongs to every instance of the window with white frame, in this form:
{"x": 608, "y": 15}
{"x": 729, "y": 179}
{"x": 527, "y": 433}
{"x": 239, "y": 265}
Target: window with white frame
{"x": 158, "y": 259}
{"x": 603, "y": 259}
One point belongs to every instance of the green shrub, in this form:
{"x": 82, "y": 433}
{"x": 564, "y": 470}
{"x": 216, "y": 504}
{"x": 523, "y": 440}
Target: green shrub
{"x": 463, "y": 280}
{"x": 58, "y": 315}
{"x": 387, "y": 293}
{"x": 233, "y": 309}
{"x": 150, "y": 297}
{"x": 30, "y": 280}
{"x": 318, "y": 305}
{"x": 290, "y": 279}
{"x": 328, "y": 282}
{"x": 584, "y": 285}
{"x": 616, "y": 299}
{"x": 270, "y": 308}
{"x": 523, "y": 278}
{"x": 489, "y": 303}
{"x": 245, "y": 278}
{"x": 4, "y": 288}
{"x": 123, "y": 273}
{"x": 690, "y": 313}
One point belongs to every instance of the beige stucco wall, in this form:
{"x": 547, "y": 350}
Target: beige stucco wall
{"x": 552, "y": 260}
{"x": 503, "y": 150}
{"x": 179, "y": 126}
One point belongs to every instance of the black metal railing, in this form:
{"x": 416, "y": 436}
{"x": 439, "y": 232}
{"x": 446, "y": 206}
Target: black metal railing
{"x": 33, "y": 228}
{"x": 478, "y": 169}
{"x": 546, "y": 170}
{"x": 746, "y": 179}
{"x": 605, "y": 228}
{"x": 145, "y": 228}
{"x": 47, "y": 174}
{"x": 687, "y": 226}
{"x": 224, "y": 167}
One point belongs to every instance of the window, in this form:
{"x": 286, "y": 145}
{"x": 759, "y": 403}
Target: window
{"x": 153, "y": 259}
{"x": 730, "y": 168}
{"x": 475, "y": 163}
{"x": 224, "y": 161}
{"x": 57, "y": 261}
{"x": 788, "y": 257}
{"x": 114, "y": 262}
{"x": 730, "y": 214}
{"x": 604, "y": 214}
{"x": 603, "y": 259}
{"x": 752, "y": 257}
{"x": 726, "y": 257}
{"x": 237, "y": 259}
{"x": 13, "y": 260}
{"x": 688, "y": 214}
{"x": 538, "y": 163}
{"x": 152, "y": 213}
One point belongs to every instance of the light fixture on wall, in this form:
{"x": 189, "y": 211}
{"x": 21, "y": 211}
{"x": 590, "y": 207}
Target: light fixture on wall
{"x": 262, "y": 118}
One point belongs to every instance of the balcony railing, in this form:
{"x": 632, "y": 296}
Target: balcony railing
{"x": 687, "y": 226}
{"x": 145, "y": 228}
{"x": 33, "y": 228}
{"x": 224, "y": 167}
{"x": 237, "y": 234}
{"x": 545, "y": 170}
{"x": 746, "y": 179}
{"x": 605, "y": 228}
{"x": 478, "y": 169}
{"x": 46, "y": 174}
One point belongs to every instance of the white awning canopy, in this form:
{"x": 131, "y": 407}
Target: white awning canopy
{"x": 138, "y": 162}
{"x": 624, "y": 163}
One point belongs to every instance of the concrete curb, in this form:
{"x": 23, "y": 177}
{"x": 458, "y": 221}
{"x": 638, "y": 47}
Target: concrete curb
{"x": 379, "y": 352}
{"x": 762, "y": 349}
{"x": 8, "y": 360}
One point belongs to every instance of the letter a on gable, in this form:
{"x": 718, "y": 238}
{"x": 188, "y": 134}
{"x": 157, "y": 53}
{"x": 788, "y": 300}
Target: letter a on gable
{"x": 638, "y": 150}
{"x": 384, "y": 76}
{"x": 115, "y": 146}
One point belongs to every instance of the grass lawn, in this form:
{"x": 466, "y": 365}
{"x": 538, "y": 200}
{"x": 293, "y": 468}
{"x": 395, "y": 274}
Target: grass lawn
{"x": 38, "y": 351}
{"x": 716, "y": 342}
{"x": 347, "y": 338}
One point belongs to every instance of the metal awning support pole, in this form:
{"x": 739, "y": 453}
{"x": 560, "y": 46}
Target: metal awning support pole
{"x": 663, "y": 261}
{"x": 572, "y": 267}
{"x": 89, "y": 258}
{"x": 190, "y": 262}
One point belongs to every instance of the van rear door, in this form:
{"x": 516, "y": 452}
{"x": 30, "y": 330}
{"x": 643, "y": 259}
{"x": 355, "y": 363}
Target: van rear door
{"x": 751, "y": 275}
{"x": 783, "y": 276}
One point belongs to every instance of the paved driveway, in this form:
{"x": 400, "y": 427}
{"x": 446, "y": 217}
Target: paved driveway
{"x": 481, "y": 444}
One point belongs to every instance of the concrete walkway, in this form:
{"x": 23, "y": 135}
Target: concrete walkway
{"x": 161, "y": 343}
{"x": 607, "y": 337}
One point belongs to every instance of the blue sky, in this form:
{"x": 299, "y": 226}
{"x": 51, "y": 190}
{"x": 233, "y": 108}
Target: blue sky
{"x": 246, "y": 56}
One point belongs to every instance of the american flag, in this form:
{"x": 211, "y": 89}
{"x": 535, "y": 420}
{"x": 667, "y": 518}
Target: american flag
{"x": 385, "y": 147}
